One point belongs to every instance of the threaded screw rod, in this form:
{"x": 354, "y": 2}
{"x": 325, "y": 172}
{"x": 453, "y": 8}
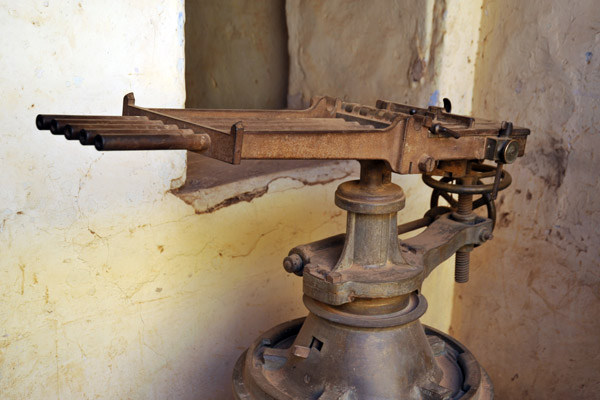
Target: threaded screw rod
{"x": 464, "y": 211}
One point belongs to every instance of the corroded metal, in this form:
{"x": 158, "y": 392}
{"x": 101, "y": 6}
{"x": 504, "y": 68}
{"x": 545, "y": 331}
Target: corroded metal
{"x": 410, "y": 140}
{"x": 297, "y": 369}
{"x": 362, "y": 338}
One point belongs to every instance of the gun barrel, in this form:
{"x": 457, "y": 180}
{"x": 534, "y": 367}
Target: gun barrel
{"x": 43, "y": 121}
{"x": 87, "y": 136}
{"x": 58, "y": 126}
{"x": 182, "y": 139}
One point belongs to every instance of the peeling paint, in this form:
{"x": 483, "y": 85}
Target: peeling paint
{"x": 220, "y": 194}
{"x": 246, "y": 196}
{"x": 261, "y": 191}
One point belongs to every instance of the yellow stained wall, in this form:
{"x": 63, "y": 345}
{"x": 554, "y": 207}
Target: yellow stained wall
{"x": 110, "y": 286}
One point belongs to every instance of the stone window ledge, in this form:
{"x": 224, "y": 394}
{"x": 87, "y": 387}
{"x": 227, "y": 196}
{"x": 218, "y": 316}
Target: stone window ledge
{"x": 211, "y": 184}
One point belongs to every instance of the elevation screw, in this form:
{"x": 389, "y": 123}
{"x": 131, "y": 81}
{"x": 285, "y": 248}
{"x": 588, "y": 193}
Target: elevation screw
{"x": 461, "y": 266}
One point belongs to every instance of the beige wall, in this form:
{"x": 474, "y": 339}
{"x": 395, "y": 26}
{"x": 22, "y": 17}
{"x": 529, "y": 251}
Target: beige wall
{"x": 236, "y": 55}
{"x": 110, "y": 286}
{"x": 532, "y": 311}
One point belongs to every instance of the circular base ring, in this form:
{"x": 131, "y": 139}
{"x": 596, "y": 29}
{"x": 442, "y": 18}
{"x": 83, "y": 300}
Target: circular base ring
{"x": 462, "y": 374}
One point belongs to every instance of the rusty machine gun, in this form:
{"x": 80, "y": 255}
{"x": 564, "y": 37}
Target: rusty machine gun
{"x": 362, "y": 338}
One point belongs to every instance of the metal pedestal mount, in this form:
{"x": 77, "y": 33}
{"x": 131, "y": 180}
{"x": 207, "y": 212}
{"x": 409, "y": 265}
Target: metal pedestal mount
{"x": 362, "y": 338}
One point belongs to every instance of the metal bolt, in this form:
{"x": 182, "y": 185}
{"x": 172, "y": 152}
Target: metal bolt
{"x": 485, "y": 235}
{"x": 301, "y": 351}
{"x": 509, "y": 152}
{"x": 293, "y": 264}
{"x": 438, "y": 129}
{"x": 506, "y": 129}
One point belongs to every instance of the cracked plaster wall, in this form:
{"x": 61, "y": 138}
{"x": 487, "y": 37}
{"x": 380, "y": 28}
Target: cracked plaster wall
{"x": 110, "y": 286}
{"x": 531, "y": 312}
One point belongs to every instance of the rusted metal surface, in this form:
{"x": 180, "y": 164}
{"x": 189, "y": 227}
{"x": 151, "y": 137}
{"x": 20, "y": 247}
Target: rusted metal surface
{"x": 410, "y": 140}
{"x": 43, "y": 122}
{"x": 182, "y": 139}
{"x": 87, "y": 135}
{"x": 287, "y": 362}
{"x": 362, "y": 338}
{"x": 420, "y": 254}
{"x": 363, "y": 293}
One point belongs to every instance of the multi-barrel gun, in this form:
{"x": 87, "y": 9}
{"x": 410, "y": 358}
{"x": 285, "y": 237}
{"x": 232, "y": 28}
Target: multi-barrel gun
{"x": 362, "y": 338}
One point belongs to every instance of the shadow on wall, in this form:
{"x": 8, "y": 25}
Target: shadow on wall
{"x": 236, "y": 54}
{"x": 364, "y": 51}
{"x": 531, "y": 311}
{"x": 216, "y": 284}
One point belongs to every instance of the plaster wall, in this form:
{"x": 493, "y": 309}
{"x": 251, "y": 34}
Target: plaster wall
{"x": 110, "y": 286}
{"x": 531, "y": 312}
{"x": 237, "y": 54}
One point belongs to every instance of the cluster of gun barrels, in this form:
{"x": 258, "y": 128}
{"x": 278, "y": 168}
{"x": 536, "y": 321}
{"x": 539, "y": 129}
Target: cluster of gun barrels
{"x": 122, "y": 132}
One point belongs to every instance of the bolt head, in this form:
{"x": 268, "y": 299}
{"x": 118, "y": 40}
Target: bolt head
{"x": 293, "y": 264}
{"x": 485, "y": 235}
{"x": 510, "y": 152}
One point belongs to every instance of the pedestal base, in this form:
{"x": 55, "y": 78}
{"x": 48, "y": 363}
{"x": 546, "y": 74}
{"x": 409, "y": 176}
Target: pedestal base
{"x": 277, "y": 367}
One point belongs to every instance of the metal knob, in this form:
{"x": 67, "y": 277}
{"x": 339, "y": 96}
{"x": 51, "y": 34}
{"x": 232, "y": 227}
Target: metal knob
{"x": 509, "y": 152}
{"x": 293, "y": 264}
